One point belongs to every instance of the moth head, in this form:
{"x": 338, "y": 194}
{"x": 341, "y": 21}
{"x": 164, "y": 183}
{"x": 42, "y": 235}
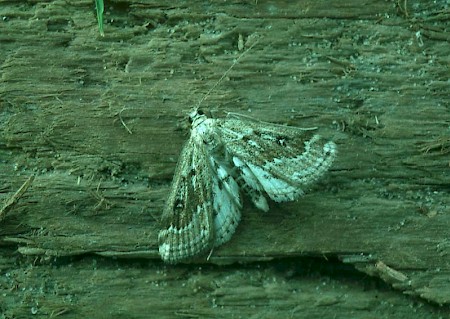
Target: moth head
{"x": 194, "y": 114}
{"x": 196, "y": 117}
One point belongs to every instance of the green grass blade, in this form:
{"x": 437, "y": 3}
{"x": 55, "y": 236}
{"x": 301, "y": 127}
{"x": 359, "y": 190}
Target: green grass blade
{"x": 100, "y": 8}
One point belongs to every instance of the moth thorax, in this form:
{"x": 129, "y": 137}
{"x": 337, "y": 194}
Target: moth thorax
{"x": 212, "y": 141}
{"x": 217, "y": 148}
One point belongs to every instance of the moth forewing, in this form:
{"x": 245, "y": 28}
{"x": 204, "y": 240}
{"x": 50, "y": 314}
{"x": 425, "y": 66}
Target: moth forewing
{"x": 187, "y": 222}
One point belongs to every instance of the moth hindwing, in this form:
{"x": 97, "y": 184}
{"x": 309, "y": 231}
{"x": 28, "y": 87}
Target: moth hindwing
{"x": 223, "y": 157}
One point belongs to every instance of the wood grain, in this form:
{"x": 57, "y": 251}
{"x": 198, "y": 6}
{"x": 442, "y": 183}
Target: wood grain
{"x": 100, "y": 121}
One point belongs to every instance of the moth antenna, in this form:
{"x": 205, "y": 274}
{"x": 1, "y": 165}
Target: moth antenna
{"x": 225, "y": 74}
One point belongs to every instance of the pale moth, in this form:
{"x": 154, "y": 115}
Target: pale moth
{"x": 225, "y": 157}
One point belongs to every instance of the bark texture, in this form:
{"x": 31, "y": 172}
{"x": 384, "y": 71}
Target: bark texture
{"x": 99, "y": 123}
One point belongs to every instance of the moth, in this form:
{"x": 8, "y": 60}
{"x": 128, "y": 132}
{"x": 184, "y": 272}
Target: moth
{"x": 224, "y": 158}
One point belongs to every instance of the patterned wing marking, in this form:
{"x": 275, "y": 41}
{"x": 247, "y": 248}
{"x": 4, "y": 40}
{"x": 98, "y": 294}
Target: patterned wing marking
{"x": 284, "y": 160}
{"x": 187, "y": 221}
{"x": 285, "y": 179}
{"x": 308, "y": 166}
{"x": 227, "y": 203}
{"x": 277, "y": 189}
{"x": 251, "y": 185}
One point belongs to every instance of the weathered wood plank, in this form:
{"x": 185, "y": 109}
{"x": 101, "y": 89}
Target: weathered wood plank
{"x": 372, "y": 77}
{"x": 98, "y": 288}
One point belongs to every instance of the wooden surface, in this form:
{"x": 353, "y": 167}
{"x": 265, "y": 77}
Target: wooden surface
{"x": 100, "y": 121}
